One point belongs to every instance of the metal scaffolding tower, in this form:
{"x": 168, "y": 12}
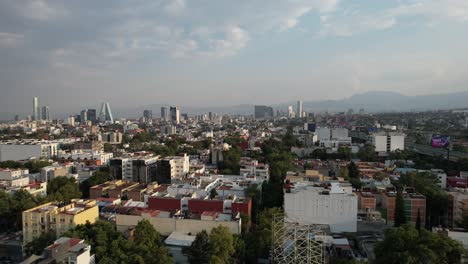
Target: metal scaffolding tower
{"x": 295, "y": 243}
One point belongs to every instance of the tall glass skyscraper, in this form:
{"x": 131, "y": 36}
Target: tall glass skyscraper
{"x": 36, "y": 111}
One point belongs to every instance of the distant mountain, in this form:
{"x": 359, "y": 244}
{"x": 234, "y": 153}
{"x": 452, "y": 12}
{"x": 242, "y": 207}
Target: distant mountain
{"x": 390, "y": 101}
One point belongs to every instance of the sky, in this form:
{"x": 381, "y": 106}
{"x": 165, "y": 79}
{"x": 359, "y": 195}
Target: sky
{"x": 76, "y": 54}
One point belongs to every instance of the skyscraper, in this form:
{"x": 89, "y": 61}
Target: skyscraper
{"x": 164, "y": 115}
{"x": 263, "y": 112}
{"x": 299, "y": 109}
{"x": 91, "y": 115}
{"x": 175, "y": 114}
{"x": 105, "y": 115}
{"x": 83, "y": 116}
{"x": 148, "y": 116}
{"x": 36, "y": 114}
{"x": 45, "y": 114}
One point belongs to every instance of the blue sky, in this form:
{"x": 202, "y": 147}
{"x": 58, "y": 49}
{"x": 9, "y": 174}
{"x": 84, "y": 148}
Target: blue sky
{"x": 74, "y": 54}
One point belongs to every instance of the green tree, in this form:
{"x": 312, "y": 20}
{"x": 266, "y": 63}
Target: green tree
{"x": 37, "y": 245}
{"x": 213, "y": 193}
{"x": 344, "y": 152}
{"x": 222, "y": 245}
{"x": 108, "y": 147}
{"x": 149, "y": 244}
{"x": 36, "y": 166}
{"x": 400, "y": 217}
{"x": 100, "y": 176}
{"x": 367, "y": 153}
{"x": 354, "y": 175}
{"x": 406, "y": 245}
{"x": 63, "y": 189}
{"x": 231, "y": 161}
{"x": 12, "y": 207}
{"x": 200, "y": 250}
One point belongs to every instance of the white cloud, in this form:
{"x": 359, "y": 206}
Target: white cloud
{"x": 10, "y": 39}
{"x": 351, "y": 22}
{"x": 40, "y": 10}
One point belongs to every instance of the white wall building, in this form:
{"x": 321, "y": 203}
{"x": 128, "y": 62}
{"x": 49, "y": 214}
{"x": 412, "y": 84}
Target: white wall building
{"x": 315, "y": 205}
{"x": 27, "y": 149}
{"x": 252, "y": 168}
{"x": 388, "y": 142}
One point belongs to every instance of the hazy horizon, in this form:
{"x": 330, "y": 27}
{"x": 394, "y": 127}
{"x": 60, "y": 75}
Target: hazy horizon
{"x": 77, "y": 54}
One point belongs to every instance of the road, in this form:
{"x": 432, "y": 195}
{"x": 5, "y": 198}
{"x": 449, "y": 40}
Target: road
{"x": 430, "y": 151}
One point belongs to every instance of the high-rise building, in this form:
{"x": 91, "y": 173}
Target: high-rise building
{"x": 148, "y": 115}
{"x": 36, "y": 114}
{"x": 91, "y": 115}
{"x": 299, "y": 109}
{"x": 290, "y": 111}
{"x": 175, "y": 114}
{"x": 164, "y": 114}
{"x": 45, "y": 114}
{"x": 83, "y": 116}
{"x": 105, "y": 115}
{"x": 263, "y": 112}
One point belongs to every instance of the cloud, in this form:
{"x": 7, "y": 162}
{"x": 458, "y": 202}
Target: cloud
{"x": 10, "y": 39}
{"x": 350, "y": 22}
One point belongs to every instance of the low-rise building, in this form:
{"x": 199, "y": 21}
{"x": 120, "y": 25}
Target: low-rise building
{"x": 111, "y": 189}
{"x": 53, "y": 217}
{"x": 65, "y": 250}
{"x": 413, "y": 203}
{"x": 252, "y": 168}
{"x": 27, "y": 149}
{"x": 334, "y": 206}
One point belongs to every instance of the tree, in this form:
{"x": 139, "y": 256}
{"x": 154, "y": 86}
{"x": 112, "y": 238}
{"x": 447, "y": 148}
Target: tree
{"x": 406, "y": 245}
{"x": 63, "y": 189}
{"x": 367, "y": 153}
{"x": 149, "y": 244}
{"x": 222, "y": 245}
{"x": 418, "y": 221}
{"x": 354, "y": 175}
{"x": 12, "y": 207}
{"x": 213, "y": 193}
{"x": 200, "y": 250}
{"x": 100, "y": 176}
{"x": 108, "y": 147}
{"x": 400, "y": 217}
{"x": 344, "y": 152}
{"x": 37, "y": 245}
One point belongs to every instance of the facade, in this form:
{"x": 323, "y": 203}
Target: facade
{"x": 27, "y": 149}
{"x": 111, "y": 189}
{"x": 263, "y": 112}
{"x": 252, "y": 168}
{"x": 172, "y": 167}
{"x": 83, "y": 116}
{"x": 14, "y": 177}
{"x": 175, "y": 114}
{"x": 50, "y": 172}
{"x": 164, "y": 114}
{"x": 105, "y": 115}
{"x": 299, "y": 111}
{"x": 144, "y": 169}
{"x": 45, "y": 114}
{"x": 56, "y": 218}
{"x": 316, "y": 205}
{"x": 91, "y": 115}
{"x": 112, "y": 137}
{"x": 366, "y": 201}
{"x": 457, "y": 206}
{"x": 90, "y": 156}
{"x": 36, "y": 113}
{"x": 147, "y": 116}
{"x": 388, "y": 141}
{"x": 413, "y": 202}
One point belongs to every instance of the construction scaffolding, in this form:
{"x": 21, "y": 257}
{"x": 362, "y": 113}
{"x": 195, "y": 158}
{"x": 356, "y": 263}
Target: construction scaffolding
{"x": 295, "y": 243}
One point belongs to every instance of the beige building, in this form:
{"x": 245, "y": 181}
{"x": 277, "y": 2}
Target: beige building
{"x": 52, "y": 217}
{"x": 165, "y": 224}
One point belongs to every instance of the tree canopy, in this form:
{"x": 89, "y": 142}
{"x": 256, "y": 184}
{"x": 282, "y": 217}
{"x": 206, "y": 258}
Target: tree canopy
{"x": 405, "y": 244}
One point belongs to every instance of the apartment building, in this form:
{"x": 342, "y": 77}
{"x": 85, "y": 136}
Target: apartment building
{"x": 57, "y": 218}
{"x": 412, "y": 203}
{"x": 27, "y": 149}
{"x": 252, "y": 168}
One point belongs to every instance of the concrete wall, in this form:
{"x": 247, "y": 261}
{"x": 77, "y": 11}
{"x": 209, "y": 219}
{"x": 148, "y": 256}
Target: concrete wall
{"x": 19, "y": 152}
{"x": 166, "y": 226}
{"x": 310, "y": 207}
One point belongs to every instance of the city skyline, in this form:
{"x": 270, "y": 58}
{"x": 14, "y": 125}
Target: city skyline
{"x": 172, "y": 52}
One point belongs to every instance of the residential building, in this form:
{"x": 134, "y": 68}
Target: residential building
{"x": 388, "y": 141}
{"x": 164, "y": 114}
{"x": 332, "y": 206}
{"x": 14, "y": 177}
{"x": 111, "y": 189}
{"x": 172, "y": 167}
{"x": 366, "y": 201}
{"x": 55, "y": 170}
{"x": 64, "y": 250}
{"x": 144, "y": 169}
{"x": 27, "y": 149}
{"x": 114, "y": 137}
{"x": 457, "y": 206}
{"x": 57, "y": 218}
{"x": 413, "y": 202}
{"x": 252, "y": 168}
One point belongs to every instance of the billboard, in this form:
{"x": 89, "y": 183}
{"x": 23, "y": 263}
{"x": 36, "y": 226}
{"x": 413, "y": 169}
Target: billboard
{"x": 440, "y": 141}
{"x": 311, "y": 127}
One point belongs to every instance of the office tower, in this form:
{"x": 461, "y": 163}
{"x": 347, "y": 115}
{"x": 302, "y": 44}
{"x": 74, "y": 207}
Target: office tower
{"x": 91, "y": 115}
{"x": 105, "y": 115}
{"x": 36, "y": 109}
{"x": 83, "y": 116}
{"x": 17, "y": 118}
{"x": 299, "y": 113}
{"x": 290, "y": 111}
{"x": 164, "y": 114}
{"x": 148, "y": 115}
{"x": 175, "y": 114}
{"x": 45, "y": 115}
{"x": 263, "y": 112}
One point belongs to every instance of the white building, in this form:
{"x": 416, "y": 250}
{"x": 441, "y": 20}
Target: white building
{"x": 441, "y": 177}
{"x": 14, "y": 177}
{"x": 388, "y": 141}
{"x": 86, "y": 154}
{"x": 27, "y": 149}
{"x": 252, "y": 168}
{"x": 336, "y": 207}
{"x": 180, "y": 165}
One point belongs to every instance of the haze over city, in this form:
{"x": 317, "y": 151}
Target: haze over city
{"x": 75, "y": 54}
